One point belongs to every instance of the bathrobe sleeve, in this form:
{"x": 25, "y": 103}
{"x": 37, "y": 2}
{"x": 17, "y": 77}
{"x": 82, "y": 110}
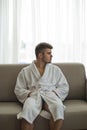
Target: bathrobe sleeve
{"x": 62, "y": 86}
{"x": 21, "y": 89}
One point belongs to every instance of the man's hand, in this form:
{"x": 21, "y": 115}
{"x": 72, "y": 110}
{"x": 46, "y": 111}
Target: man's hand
{"x": 30, "y": 93}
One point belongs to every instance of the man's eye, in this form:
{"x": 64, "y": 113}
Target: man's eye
{"x": 49, "y": 53}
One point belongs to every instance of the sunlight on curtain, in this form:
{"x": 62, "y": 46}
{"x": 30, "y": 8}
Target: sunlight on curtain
{"x": 63, "y": 23}
{"x": 9, "y": 31}
{"x": 25, "y": 23}
{"x": 4, "y": 30}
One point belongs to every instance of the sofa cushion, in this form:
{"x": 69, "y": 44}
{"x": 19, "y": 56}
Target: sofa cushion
{"x": 8, "y": 115}
{"x": 8, "y": 76}
{"x": 76, "y": 77}
{"x": 9, "y": 121}
{"x": 76, "y": 114}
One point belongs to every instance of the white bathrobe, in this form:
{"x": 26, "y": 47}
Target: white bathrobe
{"x": 42, "y": 87}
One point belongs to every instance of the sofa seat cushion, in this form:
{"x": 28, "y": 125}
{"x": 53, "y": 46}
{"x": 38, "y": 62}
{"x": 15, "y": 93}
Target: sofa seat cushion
{"x": 76, "y": 114}
{"x": 8, "y": 115}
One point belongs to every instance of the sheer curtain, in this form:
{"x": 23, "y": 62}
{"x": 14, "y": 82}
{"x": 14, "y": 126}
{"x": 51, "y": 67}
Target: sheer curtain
{"x": 24, "y": 23}
{"x": 9, "y": 30}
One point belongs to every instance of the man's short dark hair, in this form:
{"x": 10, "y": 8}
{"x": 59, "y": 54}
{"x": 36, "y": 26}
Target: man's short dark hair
{"x": 41, "y": 46}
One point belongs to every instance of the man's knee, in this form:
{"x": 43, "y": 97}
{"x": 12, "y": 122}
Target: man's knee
{"x": 24, "y": 122}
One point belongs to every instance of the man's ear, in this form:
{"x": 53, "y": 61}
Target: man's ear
{"x": 40, "y": 55}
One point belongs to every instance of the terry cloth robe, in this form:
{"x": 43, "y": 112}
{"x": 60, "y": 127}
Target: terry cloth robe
{"x": 42, "y": 87}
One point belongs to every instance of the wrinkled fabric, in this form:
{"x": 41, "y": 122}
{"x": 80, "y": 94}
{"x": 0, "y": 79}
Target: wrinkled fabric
{"x": 42, "y": 87}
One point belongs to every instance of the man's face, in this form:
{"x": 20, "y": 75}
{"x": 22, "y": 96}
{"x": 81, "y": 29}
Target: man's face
{"x": 47, "y": 55}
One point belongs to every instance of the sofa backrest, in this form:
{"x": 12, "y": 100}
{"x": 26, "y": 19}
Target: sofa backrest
{"x": 75, "y": 75}
{"x": 8, "y": 76}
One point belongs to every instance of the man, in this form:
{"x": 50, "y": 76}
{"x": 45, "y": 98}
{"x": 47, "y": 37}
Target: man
{"x": 41, "y": 85}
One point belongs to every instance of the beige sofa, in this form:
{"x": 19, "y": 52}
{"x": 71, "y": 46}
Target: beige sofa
{"x": 76, "y": 104}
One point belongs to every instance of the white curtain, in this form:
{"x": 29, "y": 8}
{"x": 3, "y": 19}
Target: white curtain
{"x": 25, "y": 23}
{"x": 9, "y": 31}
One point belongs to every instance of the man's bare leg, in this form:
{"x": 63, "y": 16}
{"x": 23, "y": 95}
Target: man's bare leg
{"x": 25, "y": 125}
{"x": 58, "y": 124}
{"x": 51, "y": 124}
{"x": 55, "y": 125}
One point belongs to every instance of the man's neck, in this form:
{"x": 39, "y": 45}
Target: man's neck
{"x": 40, "y": 66}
